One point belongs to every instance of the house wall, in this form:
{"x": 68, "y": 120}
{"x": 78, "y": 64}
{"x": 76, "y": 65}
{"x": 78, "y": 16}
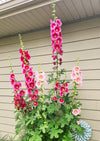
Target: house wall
{"x": 79, "y": 39}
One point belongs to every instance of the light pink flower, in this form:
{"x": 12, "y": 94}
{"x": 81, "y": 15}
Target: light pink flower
{"x": 75, "y": 112}
{"x": 76, "y": 69}
{"x": 38, "y": 84}
{"x": 78, "y": 122}
{"x": 54, "y": 98}
{"x": 61, "y": 100}
{"x": 78, "y": 80}
{"x": 73, "y": 75}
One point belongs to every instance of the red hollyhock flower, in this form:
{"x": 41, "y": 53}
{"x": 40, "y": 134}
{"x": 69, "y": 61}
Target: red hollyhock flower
{"x": 34, "y": 97}
{"x": 32, "y": 85}
{"x": 12, "y": 76}
{"x": 54, "y": 98}
{"x": 28, "y": 79}
{"x": 54, "y": 36}
{"x": 61, "y": 100}
{"x": 57, "y": 47}
{"x": 30, "y": 73}
{"x": 26, "y": 67}
{"x": 35, "y": 103}
{"x": 65, "y": 85}
{"x": 22, "y": 92}
{"x": 12, "y": 81}
{"x": 57, "y": 29}
{"x": 30, "y": 91}
{"x": 16, "y": 86}
{"x": 62, "y": 89}
{"x": 58, "y": 21}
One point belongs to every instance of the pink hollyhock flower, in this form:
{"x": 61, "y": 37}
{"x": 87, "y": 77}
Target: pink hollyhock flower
{"x": 54, "y": 57}
{"x": 78, "y": 80}
{"x": 78, "y": 122}
{"x": 26, "y": 67}
{"x": 58, "y": 21}
{"x": 56, "y": 89}
{"x": 38, "y": 84}
{"x": 20, "y": 51}
{"x": 53, "y": 24}
{"x": 59, "y": 40}
{"x": 60, "y": 61}
{"x": 57, "y": 85}
{"x": 76, "y": 69}
{"x": 61, "y": 100}
{"x": 12, "y": 81}
{"x": 62, "y": 89}
{"x": 18, "y": 96}
{"x": 24, "y": 71}
{"x": 36, "y": 91}
{"x": 54, "y": 63}
{"x": 41, "y": 77}
{"x": 57, "y": 47}
{"x": 34, "y": 97}
{"x": 30, "y": 73}
{"x": 54, "y": 98}
{"x": 28, "y": 79}
{"x": 61, "y": 94}
{"x": 32, "y": 85}
{"x": 60, "y": 34}
{"x": 54, "y": 36}
{"x": 61, "y": 52}
{"x": 22, "y": 92}
{"x": 65, "y": 85}
{"x": 66, "y": 90}
{"x": 73, "y": 75}
{"x": 75, "y": 112}
{"x": 12, "y": 76}
{"x": 57, "y": 29}
{"x": 52, "y": 31}
{"x": 30, "y": 91}
{"x": 16, "y": 86}
{"x": 35, "y": 103}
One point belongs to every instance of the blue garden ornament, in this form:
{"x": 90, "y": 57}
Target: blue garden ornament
{"x": 87, "y": 132}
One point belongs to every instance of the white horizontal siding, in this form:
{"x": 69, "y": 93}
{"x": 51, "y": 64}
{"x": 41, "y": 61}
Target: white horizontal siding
{"x": 79, "y": 39}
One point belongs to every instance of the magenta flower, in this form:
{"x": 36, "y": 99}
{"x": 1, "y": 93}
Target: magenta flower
{"x": 35, "y": 103}
{"x": 16, "y": 86}
{"x": 62, "y": 89}
{"x": 53, "y": 24}
{"x": 57, "y": 47}
{"x": 30, "y": 73}
{"x": 22, "y": 93}
{"x": 54, "y": 57}
{"x": 60, "y": 61}
{"x": 12, "y": 76}
{"x": 54, "y": 36}
{"x": 61, "y": 94}
{"x": 66, "y": 90}
{"x": 61, "y": 52}
{"x": 58, "y": 21}
{"x": 54, "y": 63}
{"x": 32, "y": 85}
{"x": 75, "y": 112}
{"x": 54, "y": 98}
{"x": 65, "y": 85}
{"x": 30, "y": 91}
{"x": 59, "y": 40}
{"x": 28, "y": 79}
{"x": 12, "y": 81}
{"x": 36, "y": 91}
{"x": 26, "y": 67}
{"x": 57, "y": 29}
{"x": 61, "y": 100}
{"x": 34, "y": 97}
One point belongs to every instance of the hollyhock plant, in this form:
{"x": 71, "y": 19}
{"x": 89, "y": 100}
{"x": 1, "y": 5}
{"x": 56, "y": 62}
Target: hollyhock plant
{"x": 51, "y": 113}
